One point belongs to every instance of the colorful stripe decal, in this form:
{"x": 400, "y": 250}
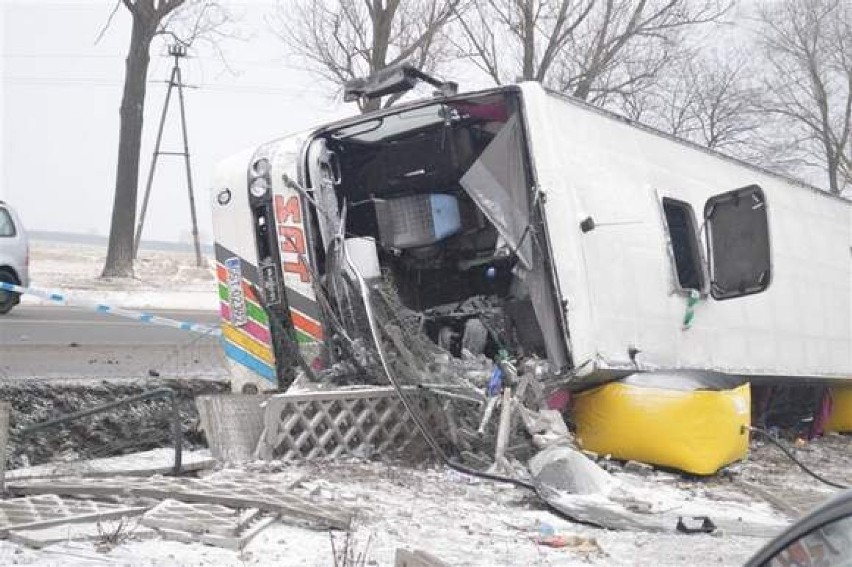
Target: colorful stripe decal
{"x": 306, "y": 325}
{"x": 304, "y": 311}
{"x": 257, "y": 331}
{"x": 253, "y": 309}
{"x": 254, "y": 364}
{"x": 247, "y": 343}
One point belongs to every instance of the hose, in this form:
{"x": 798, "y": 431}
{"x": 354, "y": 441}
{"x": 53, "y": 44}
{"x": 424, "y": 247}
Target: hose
{"x": 793, "y": 458}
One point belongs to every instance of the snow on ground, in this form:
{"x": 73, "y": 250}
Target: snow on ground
{"x": 470, "y": 522}
{"x": 462, "y": 520}
{"x": 163, "y": 279}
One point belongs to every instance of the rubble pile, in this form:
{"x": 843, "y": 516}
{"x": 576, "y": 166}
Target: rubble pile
{"x": 470, "y": 397}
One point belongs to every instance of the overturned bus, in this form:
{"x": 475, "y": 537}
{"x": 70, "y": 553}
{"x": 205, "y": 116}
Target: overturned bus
{"x": 514, "y": 220}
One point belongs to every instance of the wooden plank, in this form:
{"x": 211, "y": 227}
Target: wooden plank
{"x": 99, "y": 516}
{"x": 144, "y": 463}
{"x": 179, "y": 536}
{"x": 237, "y": 543}
{"x": 63, "y": 489}
{"x": 505, "y": 426}
{"x": 295, "y": 510}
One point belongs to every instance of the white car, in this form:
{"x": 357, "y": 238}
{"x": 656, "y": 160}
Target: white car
{"x": 14, "y": 256}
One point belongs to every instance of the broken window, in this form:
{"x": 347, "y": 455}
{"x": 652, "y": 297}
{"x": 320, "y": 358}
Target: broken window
{"x": 683, "y": 237}
{"x": 440, "y": 203}
{"x": 738, "y": 242}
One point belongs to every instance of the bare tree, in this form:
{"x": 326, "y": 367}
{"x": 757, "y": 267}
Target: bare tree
{"x": 592, "y": 49}
{"x": 808, "y": 84}
{"x": 183, "y": 21}
{"x": 345, "y": 39}
{"x": 709, "y": 99}
{"x": 519, "y": 39}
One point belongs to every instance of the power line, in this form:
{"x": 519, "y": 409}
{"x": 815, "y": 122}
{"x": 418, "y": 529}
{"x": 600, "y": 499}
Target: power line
{"x": 209, "y": 87}
{"x": 245, "y": 62}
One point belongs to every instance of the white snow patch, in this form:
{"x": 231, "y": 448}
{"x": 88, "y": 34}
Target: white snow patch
{"x": 163, "y": 280}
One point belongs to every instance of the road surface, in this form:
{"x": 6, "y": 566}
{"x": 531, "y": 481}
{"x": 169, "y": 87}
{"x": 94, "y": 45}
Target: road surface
{"x": 66, "y": 342}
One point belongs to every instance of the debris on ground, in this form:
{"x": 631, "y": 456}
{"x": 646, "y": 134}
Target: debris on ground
{"x": 461, "y": 519}
{"x": 140, "y": 426}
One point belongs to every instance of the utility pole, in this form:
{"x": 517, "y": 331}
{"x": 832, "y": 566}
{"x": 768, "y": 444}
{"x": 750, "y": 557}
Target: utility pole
{"x": 178, "y": 51}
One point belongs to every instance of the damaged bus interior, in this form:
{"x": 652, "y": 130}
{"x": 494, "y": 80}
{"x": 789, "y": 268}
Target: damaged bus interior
{"x": 439, "y": 203}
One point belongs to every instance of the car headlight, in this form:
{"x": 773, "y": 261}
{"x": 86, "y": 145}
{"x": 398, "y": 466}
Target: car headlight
{"x": 259, "y": 187}
{"x": 261, "y": 167}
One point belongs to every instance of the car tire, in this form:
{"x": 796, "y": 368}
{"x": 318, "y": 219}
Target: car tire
{"x": 8, "y": 299}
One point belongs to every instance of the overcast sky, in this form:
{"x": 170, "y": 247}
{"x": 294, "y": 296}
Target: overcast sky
{"x": 59, "y": 121}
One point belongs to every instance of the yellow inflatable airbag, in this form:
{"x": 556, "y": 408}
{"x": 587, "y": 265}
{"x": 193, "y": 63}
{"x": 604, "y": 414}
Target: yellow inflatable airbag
{"x": 840, "y": 418}
{"x": 696, "y": 431}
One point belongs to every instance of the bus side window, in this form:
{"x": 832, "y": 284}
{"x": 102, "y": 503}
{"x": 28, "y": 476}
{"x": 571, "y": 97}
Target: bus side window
{"x": 738, "y": 243}
{"x": 683, "y": 237}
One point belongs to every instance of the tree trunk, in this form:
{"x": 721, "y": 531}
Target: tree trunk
{"x": 833, "y": 170}
{"x": 528, "y": 31}
{"x": 583, "y": 89}
{"x": 119, "y": 260}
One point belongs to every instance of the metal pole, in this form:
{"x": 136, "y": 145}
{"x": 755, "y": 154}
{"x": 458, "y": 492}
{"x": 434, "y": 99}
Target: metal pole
{"x": 156, "y": 154}
{"x": 195, "y": 242}
{"x": 5, "y": 410}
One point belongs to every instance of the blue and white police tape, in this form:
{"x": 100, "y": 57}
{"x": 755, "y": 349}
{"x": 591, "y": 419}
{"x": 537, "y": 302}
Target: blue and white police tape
{"x": 102, "y": 308}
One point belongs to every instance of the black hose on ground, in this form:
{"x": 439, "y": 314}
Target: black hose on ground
{"x": 771, "y": 438}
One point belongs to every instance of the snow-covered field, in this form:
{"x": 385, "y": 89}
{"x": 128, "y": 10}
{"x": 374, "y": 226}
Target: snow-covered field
{"x": 163, "y": 280}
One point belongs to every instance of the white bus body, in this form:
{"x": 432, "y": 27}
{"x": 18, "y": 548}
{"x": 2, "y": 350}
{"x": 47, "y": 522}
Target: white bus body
{"x": 633, "y": 250}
